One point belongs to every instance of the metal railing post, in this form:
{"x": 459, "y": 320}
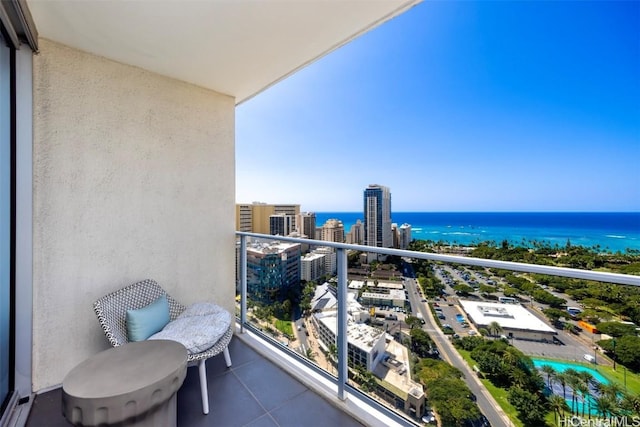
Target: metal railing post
{"x": 243, "y": 282}
{"x": 341, "y": 333}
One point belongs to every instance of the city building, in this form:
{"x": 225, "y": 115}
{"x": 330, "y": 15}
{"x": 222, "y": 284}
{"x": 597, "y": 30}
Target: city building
{"x": 395, "y": 235}
{"x": 366, "y": 345}
{"x": 330, "y": 259}
{"x": 369, "y": 347}
{"x": 405, "y": 236}
{"x": 514, "y": 319}
{"x": 390, "y": 297}
{"x": 272, "y": 270}
{"x": 256, "y": 217}
{"x": 306, "y": 224}
{"x": 377, "y": 216}
{"x": 333, "y": 231}
{"x": 395, "y": 385}
{"x": 312, "y": 267}
{"x": 355, "y": 236}
{"x": 281, "y": 224}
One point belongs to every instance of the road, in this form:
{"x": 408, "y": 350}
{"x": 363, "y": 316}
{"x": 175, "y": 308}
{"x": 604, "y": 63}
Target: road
{"x": 487, "y": 404}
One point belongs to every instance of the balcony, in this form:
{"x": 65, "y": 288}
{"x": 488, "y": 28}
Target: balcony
{"x": 253, "y": 392}
{"x": 271, "y": 384}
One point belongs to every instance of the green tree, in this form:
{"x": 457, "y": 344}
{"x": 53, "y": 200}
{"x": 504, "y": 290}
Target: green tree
{"x": 486, "y": 289}
{"x": 583, "y": 390}
{"x": 558, "y": 405}
{"x": 616, "y": 329}
{"x": 554, "y": 314}
{"x": 627, "y": 350}
{"x": 631, "y": 402}
{"x": 494, "y": 328}
{"x": 572, "y": 380}
{"x": 605, "y": 406}
{"x": 463, "y": 289}
{"x": 311, "y": 355}
{"x": 412, "y": 322}
{"x": 561, "y": 377}
{"x": 531, "y": 407}
{"x": 421, "y": 343}
{"x": 550, "y": 372}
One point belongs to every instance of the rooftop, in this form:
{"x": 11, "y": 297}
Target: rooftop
{"x": 509, "y": 316}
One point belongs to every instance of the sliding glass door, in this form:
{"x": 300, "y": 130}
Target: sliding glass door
{"x": 6, "y": 385}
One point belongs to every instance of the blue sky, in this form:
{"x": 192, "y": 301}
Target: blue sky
{"x": 458, "y": 106}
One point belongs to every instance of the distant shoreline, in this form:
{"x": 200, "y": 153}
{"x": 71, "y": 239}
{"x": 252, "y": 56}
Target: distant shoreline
{"x": 603, "y": 231}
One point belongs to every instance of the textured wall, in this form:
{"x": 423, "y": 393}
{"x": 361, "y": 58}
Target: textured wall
{"x": 134, "y": 178}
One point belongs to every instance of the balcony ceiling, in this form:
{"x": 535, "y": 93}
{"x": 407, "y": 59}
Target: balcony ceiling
{"x": 235, "y": 47}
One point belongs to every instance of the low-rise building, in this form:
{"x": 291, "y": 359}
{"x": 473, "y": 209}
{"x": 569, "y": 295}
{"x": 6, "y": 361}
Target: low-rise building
{"x": 369, "y": 347}
{"x": 391, "y": 298}
{"x": 515, "y": 320}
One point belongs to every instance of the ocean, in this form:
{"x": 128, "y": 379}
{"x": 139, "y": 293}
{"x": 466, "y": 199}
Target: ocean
{"x": 613, "y": 232}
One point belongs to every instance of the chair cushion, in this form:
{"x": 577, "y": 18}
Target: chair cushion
{"x": 198, "y": 327}
{"x": 146, "y": 321}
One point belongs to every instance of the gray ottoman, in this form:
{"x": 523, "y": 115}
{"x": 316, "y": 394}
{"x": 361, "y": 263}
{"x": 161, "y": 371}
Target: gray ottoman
{"x": 134, "y": 384}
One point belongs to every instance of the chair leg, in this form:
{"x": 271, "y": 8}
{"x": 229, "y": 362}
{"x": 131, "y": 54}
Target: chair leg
{"x": 202, "y": 368}
{"x": 227, "y": 357}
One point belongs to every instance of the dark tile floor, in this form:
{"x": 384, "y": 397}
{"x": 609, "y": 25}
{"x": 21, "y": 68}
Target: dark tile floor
{"x": 253, "y": 392}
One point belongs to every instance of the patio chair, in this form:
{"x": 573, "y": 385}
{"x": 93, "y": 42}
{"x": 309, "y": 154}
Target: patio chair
{"x": 112, "y": 313}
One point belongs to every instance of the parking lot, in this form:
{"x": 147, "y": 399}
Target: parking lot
{"x": 452, "y": 317}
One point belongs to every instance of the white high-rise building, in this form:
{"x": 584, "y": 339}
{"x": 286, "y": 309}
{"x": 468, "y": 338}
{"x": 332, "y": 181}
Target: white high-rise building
{"x": 312, "y": 267}
{"x": 405, "y": 235}
{"x": 330, "y": 259}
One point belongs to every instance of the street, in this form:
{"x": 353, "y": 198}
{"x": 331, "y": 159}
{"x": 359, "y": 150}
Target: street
{"x": 488, "y": 406}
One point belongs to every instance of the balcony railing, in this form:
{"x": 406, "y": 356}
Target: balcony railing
{"x": 341, "y": 250}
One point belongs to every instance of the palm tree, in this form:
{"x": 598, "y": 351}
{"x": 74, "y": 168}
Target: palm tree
{"x": 333, "y": 354}
{"x": 558, "y": 404}
{"x": 611, "y": 390}
{"x": 511, "y": 356}
{"x": 494, "y": 328}
{"x": 631, "y": 402}
{"x": 572, "y": 381}
{"x": 562, "y": 379}
{"x": 551, "y": 373}
{"x": 583, "y": 389}
{"x": 311, "y": 355}
{"x": 604, "y": 405}
{"x": 588, "y": 379}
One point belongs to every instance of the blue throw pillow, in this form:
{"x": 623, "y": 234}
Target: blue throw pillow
{"x": 146, "y": 321}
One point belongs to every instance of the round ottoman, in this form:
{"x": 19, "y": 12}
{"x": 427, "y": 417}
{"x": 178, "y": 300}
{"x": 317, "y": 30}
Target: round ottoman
{"x": 134, "y": 384}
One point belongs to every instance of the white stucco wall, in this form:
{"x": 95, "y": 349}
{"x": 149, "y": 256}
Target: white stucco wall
{"x": 134, "y": 178}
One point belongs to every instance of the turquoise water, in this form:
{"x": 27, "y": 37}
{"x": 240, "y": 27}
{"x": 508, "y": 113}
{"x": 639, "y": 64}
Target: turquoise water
{"x": 580, "y": 406}
{"x": 563, "y": 366}
{"x": 606, "y": 231}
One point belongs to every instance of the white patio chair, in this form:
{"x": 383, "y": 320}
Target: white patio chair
{"x": 112, "y": 311}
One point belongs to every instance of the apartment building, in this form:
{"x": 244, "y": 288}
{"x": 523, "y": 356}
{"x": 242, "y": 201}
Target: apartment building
{"x": 256, "y": 217}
